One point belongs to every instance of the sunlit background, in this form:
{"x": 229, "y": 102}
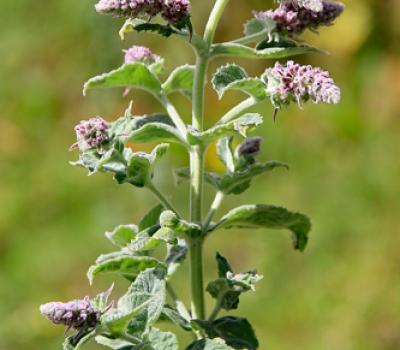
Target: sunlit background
{"x": 342, "y": 293}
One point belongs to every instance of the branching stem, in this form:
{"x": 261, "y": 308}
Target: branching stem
{"x": 237, "y": 110}
{"x": 219, "y": 197}
{"x": 161, "y": 198}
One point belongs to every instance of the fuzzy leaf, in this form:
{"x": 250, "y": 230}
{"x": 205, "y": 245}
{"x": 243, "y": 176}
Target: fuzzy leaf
{"x": 241, "y": 125}
{"x": 163, "y": 340}
{"x": 238, "y": 50}
{"x": 183, "y": 174}
{"x": 180, "y": 80}
{"x": 234, "y": 77}
{"x": 151, "y": 218}
{"x": 173, "y": 315}
{"x": 237, "y": 332}
{"x": 209, "y": 344}
{"x": 122, "y": 235}
{"x": 176, "y": 255}
{"x": 169, "y": 220}
{"x": 225, "y": 153}
{"x": 268, "y": 216}
{"x": 256, "y": 26}
{"x": 126, "y": 264}
{"x": 223, "y": 265}
{"x": 140, "y": 307}
{"x": 115, "y": 344}
{"x": 76, "y": 342}
{"x": 134, "y": 75}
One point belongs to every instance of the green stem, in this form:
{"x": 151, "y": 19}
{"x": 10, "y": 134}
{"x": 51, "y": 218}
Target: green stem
{"x": 254, "y": 38}
{"x": 219, "y": 197}
{"x": 216, "y": 310}
{"x": 162, "y": 199}
{"x": 174, "y": 115}
{"x": 237, "y": 110}
{"x": 197, "y": 160}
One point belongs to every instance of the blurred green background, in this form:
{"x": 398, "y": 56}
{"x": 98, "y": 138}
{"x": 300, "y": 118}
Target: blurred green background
{"x": 342, "y": 293}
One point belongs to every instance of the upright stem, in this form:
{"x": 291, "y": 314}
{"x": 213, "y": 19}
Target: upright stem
{"x": 197, "y": 161}
{"x": 162, "y": 199}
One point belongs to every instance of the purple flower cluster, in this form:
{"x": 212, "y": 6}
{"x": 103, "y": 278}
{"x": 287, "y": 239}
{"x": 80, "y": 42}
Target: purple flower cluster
{"x": 92, "y": 133}
{"x": 76, "y": 314}
{"x": 294, "y": 82}
{"x": 250, "y": 147}
{"x": 293, "y": 19}
{"x": 140, "y": 54}
{"x": 172, "y": 11}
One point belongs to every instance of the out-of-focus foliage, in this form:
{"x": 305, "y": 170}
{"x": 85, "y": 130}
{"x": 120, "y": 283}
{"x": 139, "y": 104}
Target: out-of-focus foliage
{"x": 343, "y": 293}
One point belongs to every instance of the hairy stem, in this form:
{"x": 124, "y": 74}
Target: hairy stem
{"x": 197, "y": 160}
{"x": 174, "y": 115}
{"x": 237, "y": 110}
{"x": 219, "y": 197}
{"x": 161, "y": 198}
{"x": 216, "y": 310}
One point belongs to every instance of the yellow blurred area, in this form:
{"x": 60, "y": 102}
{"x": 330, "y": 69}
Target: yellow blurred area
{"x": 342, "y": 293}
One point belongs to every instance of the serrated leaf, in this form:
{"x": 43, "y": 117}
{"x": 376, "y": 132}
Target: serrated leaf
{"x": 122, "y": 235}
{"x": 128, "y": 265}
{"x": 236, "y": 331}
{"x": 258, "y": 26}
{"x": 268, "y": 216}
{"x": 209, "y": 344}
{"x": 77, "y": 341}
{"x": 241, "y": 125}
{"x": 163, "y": 340}
{"x": 140, "y": 307}
{"x": 134, "y": 75}
{"x": 238, "y": 50}
{"x": 180, "y": 80}
{"x": 100, "y": 301}
{"x": 152, "y": 218}
{"x": 234, "y": 77}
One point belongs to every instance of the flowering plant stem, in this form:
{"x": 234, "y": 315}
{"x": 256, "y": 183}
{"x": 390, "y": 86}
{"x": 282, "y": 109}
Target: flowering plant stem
{"x": 197, "y": 161}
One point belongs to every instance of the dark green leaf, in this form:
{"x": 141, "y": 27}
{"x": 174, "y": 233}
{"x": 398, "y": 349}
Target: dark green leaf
{"x": 223, "y": 265}
{"x": 268, "y": 216}
{"x": 77, "y": 341}
{"x": 209, "y": 344}
{"x": 152, "y": 218}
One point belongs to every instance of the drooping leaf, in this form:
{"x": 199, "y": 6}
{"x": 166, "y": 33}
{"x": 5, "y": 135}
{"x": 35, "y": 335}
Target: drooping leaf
{"x": 234, "y": 77}
{"x": 238, "y": 50}
{"x": 209, "y": 344}
{"x": 133, "y": 75}
{"x": 176, "y": 255}
{"x": 241, "y": 125}
{"x": 170, "y": 313}
{"x": 268, "y": 216}
{"x": 121, "y": 262}
{"x": 152, "y": 218}
{"x": 140, "y": 307}
{"x": 180, "y": 80}
{"x": 223, "y": 265}
{"x": 122, "y": 235}
{"x": 237, "y": 332}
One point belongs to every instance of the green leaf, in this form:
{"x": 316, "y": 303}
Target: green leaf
{"x": 134, "y": 75}
{"x": 140, "y": 307}
{"x": 163, "y": 340}
{"x": 152, "y": 218}
{"x": 176, "y": 255}
{"x": 240, "y": 180}
{"x": 223, "y": 265}
{"x": 268, "y": 216}
{"x": 180, "y": 80}
{"x": 173, "y": 315}
{"x": 122, "y": 235}
{"x": 234, "y": 77}
{"x": 76, "y": 342}
{"x": 237, "y": 332}
{"x": 183, "y": 174}
{"x": 238, "y": 50}
{"x": 100, "y": 302}
{"x": 256, "y": 26}
{"x": 241, "y": 125}
{"x": 149, "y": 128}
{"x": 209, "y": 344}
{"x": 170, "y": 220}
{"x": 115, "y": 344}
{"x": 126, "y": 264}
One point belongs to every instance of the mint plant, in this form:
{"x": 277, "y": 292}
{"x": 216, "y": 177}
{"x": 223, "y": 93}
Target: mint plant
{"x": 134, "y": 320}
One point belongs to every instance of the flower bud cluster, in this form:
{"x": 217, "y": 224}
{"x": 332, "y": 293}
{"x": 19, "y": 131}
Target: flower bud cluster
{"x": 92, "y": 133}
{"x": 76, "y": 314}
{"x": 140, "y": 54}
{"x": 172, "y": 11}
{"x": 294, "y": 20}
{"x": 300, "y": 83}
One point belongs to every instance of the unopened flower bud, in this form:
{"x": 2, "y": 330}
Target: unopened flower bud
{"x": 175, "y": 11}
{"x": 250, "y": 147}
{"x": 92, "y": 133}
{"x": 76, "y": 314}
{"x": 294, "y": 82}
{"x": 140, "y": 54}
